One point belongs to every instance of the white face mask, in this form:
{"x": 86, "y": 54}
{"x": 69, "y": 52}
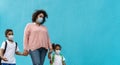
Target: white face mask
{"x": 57, "y": 52}
{"x": 40, "y": 20}
{"x": 10, "y": 37}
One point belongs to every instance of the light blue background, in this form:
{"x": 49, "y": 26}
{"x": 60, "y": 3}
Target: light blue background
{"x": 88, "y": 30}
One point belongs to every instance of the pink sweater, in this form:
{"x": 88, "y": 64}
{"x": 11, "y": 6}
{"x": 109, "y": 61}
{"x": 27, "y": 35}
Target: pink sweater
{"x": 36, "y": 37}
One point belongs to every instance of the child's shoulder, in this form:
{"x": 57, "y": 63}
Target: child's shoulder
{"x": 58, "y": 55}
{"x": 4, "y": 42}
{"x": 7, "y": 41}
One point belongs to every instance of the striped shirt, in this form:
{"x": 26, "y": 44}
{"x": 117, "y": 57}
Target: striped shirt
{"x": 35, "y": 37}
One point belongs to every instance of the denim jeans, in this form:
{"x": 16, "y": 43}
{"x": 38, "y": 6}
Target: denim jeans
{"x": 7, "y": 64}
{"x": 38, "y": 56}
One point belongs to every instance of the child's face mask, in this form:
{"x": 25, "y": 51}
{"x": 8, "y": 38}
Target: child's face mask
{"x": 10, "y": 37}
{"x": 57, "y": 52}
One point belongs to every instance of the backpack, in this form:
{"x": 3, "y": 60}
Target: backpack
{"x": 5, "y": 50}
{"x": 53, "y": 57}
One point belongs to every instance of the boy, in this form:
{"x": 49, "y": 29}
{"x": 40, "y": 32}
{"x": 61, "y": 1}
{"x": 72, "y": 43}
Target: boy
{"x": 8, "y": 49}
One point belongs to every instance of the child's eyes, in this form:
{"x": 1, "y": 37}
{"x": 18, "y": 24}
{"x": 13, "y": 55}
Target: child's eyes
{"x": 10, "y": 34}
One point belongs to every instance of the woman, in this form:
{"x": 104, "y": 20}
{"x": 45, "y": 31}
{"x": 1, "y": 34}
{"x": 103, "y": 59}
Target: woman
{"x": 36, "y": 39}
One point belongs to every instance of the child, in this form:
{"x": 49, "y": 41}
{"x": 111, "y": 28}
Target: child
{"x": 56, "y": 58}
{"x": 8, "y": 49}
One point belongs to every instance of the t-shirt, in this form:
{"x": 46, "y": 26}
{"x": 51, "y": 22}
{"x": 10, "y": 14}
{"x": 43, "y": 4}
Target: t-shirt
{"x": 10, "y": 52}
{"x": 58, "y": 59}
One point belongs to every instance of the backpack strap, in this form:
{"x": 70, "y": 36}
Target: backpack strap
{"x": 5, "y": 47}
{"x": 61, "y": 56}
{"x": 62, "y": 59}
{"x": 53, "y": 57}
{"x": 15, "y": 46}
{"x": 52, "y": 60}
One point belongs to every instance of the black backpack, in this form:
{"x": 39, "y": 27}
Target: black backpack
{"x": 5, "y": 50}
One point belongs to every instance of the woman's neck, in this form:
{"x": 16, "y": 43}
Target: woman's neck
{"x": 37, "y": 23}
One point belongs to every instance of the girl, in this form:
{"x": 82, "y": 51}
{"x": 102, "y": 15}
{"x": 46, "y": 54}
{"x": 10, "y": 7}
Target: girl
{"x": 56, "y": 58}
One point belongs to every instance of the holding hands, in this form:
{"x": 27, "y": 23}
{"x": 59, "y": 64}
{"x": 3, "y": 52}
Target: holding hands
{"x": 25, "y": 53}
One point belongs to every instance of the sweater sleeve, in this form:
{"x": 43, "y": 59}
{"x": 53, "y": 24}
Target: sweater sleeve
{"x": 49, "y": 43}
{"x": 3, "y": 45}
{"x": 26, "y": 36}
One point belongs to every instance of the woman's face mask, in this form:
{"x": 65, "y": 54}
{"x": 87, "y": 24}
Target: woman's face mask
{"x": 40, "y": 20}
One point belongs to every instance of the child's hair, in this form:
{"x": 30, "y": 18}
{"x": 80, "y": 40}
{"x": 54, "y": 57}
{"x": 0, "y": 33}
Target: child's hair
{"x": 8, "y": 30}
{"x": 55, "y": 45}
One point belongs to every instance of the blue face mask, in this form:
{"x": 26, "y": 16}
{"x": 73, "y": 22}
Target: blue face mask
{"x": 40, "y": 20}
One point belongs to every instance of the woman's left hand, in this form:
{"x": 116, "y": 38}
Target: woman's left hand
{"x": 25, "y": 53}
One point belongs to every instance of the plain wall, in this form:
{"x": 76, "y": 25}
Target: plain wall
{"x": 88, "y": 30}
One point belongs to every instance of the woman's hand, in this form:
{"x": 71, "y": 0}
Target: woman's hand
{"x": 50, "y": 50}
{"x": 25, "y": 53}
{"x": 49, "y": 55}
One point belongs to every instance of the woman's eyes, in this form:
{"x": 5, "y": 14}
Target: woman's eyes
{"x": 41, "y": 16}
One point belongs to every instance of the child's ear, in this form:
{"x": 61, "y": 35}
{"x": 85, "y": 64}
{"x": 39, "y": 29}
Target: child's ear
{"x": 6, "y": 36}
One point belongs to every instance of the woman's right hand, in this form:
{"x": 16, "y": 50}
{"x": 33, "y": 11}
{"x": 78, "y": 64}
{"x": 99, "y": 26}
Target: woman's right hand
{"x": 49, "y": 54}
